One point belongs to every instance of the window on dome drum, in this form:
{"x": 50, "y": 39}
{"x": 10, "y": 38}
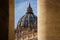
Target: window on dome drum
{"x": 26, "y": 18}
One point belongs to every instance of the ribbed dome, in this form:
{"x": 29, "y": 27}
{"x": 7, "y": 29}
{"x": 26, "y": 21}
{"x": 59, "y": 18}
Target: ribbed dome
{"x": 27, "y": 26}
{"x": 28, "y": 20}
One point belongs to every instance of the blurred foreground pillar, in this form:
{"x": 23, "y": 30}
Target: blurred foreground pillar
{"x": 48, "y": 19}
{"x": 11, "y": 20}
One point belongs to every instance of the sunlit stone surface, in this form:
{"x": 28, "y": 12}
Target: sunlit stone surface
{"x": 48, "y": 19}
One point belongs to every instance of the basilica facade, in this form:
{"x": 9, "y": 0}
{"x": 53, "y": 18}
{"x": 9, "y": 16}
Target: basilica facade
{"x": 27, "y": 26}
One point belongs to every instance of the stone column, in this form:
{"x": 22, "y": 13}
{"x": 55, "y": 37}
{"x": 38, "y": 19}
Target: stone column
{"x": 11, "y": 20}
{"x": 41, "y": 19}
{"x": 48, "y": 19}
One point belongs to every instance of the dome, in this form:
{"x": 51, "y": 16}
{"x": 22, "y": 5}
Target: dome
{"x": 28, "y": 20}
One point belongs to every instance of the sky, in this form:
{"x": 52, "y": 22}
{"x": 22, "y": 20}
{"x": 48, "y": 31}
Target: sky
{"x": 20, "y": 8}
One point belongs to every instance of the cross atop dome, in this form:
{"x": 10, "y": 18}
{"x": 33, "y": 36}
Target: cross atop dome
{"x": 29, "y": 5}
{"x": 29, "y": 9}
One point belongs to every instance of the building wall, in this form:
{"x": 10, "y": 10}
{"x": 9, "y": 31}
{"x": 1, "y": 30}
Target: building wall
{"x": 28, "y": 36}
{"x": 48, "y": 19}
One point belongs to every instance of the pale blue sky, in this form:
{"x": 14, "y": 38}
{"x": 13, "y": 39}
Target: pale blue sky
{"x": 20, "y": 7}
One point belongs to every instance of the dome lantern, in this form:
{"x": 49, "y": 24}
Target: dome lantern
{"x": 29, "y": 9}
